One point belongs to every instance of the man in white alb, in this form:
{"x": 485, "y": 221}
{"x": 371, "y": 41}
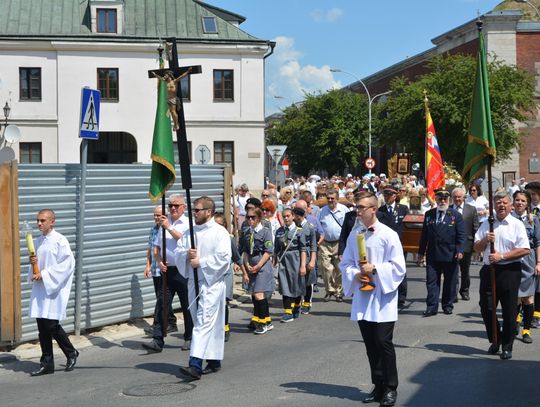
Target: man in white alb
{"x": 51, "y": 286}
{"x": 376, "y": 311}
{"x": 212, "y": 259}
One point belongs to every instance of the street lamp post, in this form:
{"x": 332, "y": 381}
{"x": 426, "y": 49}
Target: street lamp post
{"x": 7, "y": 111}
{"x": 370, "y": 102}
{"x": 530, "y": 4}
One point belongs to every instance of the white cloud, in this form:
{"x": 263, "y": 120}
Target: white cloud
{"x": 289, "y": 79}
{"x": 326, "y": 16}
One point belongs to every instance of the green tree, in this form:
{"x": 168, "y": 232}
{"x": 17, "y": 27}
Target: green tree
{"x": 328, "y": 131}
{"x": 449, "y": 85}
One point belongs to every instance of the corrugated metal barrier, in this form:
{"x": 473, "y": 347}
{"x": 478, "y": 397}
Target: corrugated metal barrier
{"x": 118, "y": 219}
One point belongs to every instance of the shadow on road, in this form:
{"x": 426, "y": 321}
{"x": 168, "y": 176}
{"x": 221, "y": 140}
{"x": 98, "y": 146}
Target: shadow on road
{"x": 324, "y": 389}
{"x": 488, "y": 381}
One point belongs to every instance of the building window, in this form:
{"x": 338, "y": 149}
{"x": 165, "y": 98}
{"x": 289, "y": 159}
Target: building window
{"x": 30, "y": 153}
{"x": 30, "y": 83}
{"x": 209, "y": 25}
{"x": 223, "y": 84}
{"x": 113, "y": 148}
{"x": 107, "y": 79}
{"x": 106, "y": 20}
{"x": 224, "y": 153}
{"x": 176, "y": 159}
{"x": 185, "y": 83}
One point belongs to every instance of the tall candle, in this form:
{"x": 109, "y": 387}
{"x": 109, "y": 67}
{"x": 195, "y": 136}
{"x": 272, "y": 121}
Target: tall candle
{"x": 30, "y": 244}
{"x": 361, "y": 244}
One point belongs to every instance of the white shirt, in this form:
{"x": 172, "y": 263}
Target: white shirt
{"x": 240, "y": 203}
{"x": 56, "y": 264}
{"x": 181, "y": 225}
{"x": 510, "y": 234}
{"x": 385, "y": 252}
{"x": 481, "y": 203}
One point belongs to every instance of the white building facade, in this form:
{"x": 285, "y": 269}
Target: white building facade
{"x": 42, "y": 75}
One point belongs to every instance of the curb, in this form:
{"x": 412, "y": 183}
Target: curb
{"x": 109, "y": 333}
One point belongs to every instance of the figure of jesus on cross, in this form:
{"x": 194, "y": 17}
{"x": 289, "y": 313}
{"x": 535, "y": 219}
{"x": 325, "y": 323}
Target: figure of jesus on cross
{"x": 172, "y": 94}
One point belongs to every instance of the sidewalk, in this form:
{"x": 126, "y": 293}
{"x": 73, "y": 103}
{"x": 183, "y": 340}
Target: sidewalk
{"x": 109, "y": 333}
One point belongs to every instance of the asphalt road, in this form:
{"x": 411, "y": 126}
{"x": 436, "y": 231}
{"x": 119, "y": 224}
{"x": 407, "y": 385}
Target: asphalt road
{"x": 318, "y": 360}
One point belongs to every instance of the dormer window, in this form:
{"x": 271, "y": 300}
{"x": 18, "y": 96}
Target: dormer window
{"x": 107, "y": 16}
{"x": 209, "y": 25}
{"x": 106, "y": 20}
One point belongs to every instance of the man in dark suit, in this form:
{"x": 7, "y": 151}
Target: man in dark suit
{"x": 470, "y": 219}
{"x": 392, "y": 214}
{"x": 442, "y": 241}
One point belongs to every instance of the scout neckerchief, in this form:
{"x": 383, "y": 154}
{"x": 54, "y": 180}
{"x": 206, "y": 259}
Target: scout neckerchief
{"x": 289, "y": 244}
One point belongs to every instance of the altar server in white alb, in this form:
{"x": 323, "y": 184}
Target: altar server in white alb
{"x": 376, "y": 311}
{"x": 51, "y": 286}
{"x": 212, "y": 258}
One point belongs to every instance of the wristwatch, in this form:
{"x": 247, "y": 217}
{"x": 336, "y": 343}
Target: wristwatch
{"x": 374, "y": 271}
{"x": 169, "y": 229}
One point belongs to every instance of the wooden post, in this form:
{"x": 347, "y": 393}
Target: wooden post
{"x": 10, "y": 270}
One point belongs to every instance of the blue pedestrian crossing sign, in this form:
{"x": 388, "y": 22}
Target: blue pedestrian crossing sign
{"x": 89, "y": 125}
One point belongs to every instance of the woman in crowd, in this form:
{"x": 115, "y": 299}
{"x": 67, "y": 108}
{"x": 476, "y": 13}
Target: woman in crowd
{"x": 287, "y": 197}
{"x": 257, "y": 247}
{"x": 290, "y": 258}
{"x": 479, "y": 201}
{"x": 529, "y": 265}
{"x": 268, "y": 208}
{"x": 425, "y": 202}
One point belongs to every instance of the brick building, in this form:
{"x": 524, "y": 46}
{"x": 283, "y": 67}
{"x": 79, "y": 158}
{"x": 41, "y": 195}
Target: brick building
{"x": 514, "y": 38}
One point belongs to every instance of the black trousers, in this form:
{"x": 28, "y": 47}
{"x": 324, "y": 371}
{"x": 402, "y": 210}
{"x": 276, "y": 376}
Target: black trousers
{"x": 434, "y": 270}
{"x": 464, "y": 267}
{"x": 176, "y": 284}
{"x": 402, "y": 291}
{"x": 159, "y": 299}
{"x": 381, "y": 353}
{"x": 49, "y": 329}
{"x": 507, "y": 280}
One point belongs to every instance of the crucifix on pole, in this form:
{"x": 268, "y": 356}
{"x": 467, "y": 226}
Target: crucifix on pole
{"x": 172, "y": 76}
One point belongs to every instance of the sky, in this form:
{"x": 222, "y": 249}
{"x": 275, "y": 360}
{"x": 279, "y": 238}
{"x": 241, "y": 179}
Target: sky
{"x": 360, "y": 37}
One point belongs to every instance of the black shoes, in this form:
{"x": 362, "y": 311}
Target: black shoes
{"x": 506, "y": 354}
{"x": 447, "y": 311}
{"x": 191, "y": 372}
{"x": 375, "y": 396}
{"x": 327, "y": 297}
{"x": 465, "y": 297}
{"x": 42, "y": 371}
{"x": 389, "y": 398}
{"x": 152, "y": 346}
{"x": 71, "y": 362}
{"x": 429, "y": 313}
{"x": 493, "y": 349}
{"x": 211, "y": 369}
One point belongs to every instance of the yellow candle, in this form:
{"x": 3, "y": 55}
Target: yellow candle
{"x": 361, "y": 244}
{"x": 30, "y": 244}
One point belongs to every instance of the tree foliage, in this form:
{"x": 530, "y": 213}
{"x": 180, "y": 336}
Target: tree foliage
{"x": 328, "y": 131}
{"x": 449, "y": 88}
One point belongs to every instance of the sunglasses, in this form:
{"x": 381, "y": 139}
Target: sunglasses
{"x": 197, "y": 210}
{"x": 251, "y": 217}
{"x": 265, "y": 196}
{"x": 176, "y": 206}
{"x": 265, "y": 210}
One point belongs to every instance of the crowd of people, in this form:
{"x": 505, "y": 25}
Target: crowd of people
{"x": 346, "y": 231}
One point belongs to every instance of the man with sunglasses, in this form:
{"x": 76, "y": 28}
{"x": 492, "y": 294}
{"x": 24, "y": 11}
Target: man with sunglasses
{"x": 441, "y": 244}
{"x": 392, "y": 214}
{"x": 212, "y": 258}
{"x": 175, "y": 225}
{"x": 376, "y": 311}
{"x": 331, "y": 218}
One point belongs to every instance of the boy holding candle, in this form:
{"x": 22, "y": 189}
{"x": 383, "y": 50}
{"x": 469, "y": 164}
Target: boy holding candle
{"x": 51, "y": 286}
{"x": 376, "y": 310}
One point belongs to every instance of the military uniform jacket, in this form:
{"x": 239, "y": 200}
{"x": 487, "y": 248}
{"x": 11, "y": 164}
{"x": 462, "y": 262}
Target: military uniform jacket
{"x": 442, "y": 241}
{"x": 393, "y": 220}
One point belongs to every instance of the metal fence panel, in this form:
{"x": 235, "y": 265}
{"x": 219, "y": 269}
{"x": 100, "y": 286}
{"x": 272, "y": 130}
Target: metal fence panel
{"x": 118, "y": 218}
